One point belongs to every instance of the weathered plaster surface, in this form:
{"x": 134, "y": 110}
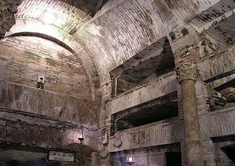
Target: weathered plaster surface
{"x": 50, "y": 104}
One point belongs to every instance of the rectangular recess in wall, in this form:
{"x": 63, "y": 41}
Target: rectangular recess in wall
{"x": 158, "y": 109}
{"x": 219, "y": 101}
{"x": 226, "y": 85}
{"x": 155, "y": 60}
{"x": 149, "y": 156}
{"x": 173, "y": 159}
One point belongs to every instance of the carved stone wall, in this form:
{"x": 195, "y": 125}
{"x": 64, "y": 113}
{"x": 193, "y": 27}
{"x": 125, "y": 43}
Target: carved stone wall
{"x": 187, "y": 71}
{"x": 229, "y": 94}
{"x": 7, "y": 19}
{"x": 23, "y": 98}
{"x": 24, "y": 128}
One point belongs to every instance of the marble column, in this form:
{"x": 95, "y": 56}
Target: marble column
{"x": 187, "y": 74}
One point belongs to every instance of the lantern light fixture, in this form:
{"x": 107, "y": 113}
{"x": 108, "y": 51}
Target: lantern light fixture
{"x": 130, "y": 160}
{"x": 81, "y": 136}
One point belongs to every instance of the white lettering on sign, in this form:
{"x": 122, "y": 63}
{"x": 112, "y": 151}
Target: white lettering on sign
{"x": 61, "y": 156}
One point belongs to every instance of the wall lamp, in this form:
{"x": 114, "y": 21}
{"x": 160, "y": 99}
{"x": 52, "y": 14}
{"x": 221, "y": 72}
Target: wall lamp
{"x": 81, "y": 136}
{"x": 130, "y": 160}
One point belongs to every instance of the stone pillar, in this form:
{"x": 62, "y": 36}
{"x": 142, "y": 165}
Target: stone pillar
{"x": 187, "y": 74}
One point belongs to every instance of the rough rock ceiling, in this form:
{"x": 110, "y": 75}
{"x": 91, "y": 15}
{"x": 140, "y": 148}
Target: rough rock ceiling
{"x": 23, "y": 59}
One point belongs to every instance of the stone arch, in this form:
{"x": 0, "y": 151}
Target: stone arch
{"x": 132, "y": 26}
{"x": 24, "y": 27}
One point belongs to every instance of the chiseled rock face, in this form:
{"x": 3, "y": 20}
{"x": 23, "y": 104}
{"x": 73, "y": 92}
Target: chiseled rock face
{"x": 229, "y": 94}
{"x": 104, "y": 164}
{"x": 42, "y": 131}
{"x": 94, "y": 161}
{"x": 117, "y": 143}
{"x": 104, "y": 154}
{"x": 7, "y": 10}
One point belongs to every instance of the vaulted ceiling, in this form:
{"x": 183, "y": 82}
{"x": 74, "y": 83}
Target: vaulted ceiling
{"x": 23, "y": 59}
{"x": 66, "y": 17}
{"x": 76, "y": 43}
{"x": 102, "y": 39}
{"x": 124, "y": 28}
{"x": 41, "y": 43}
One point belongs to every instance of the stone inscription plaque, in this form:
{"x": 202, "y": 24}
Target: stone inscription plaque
{"x": 61, "y": 156}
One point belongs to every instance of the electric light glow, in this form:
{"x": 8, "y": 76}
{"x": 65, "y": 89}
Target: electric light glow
{"x": 130, "y": 160}
{"x": 49, "y": 18}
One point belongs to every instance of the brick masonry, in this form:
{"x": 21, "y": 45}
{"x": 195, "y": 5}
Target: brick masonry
{"x": 23, "y": 59}
{"x": 50, "y": 104}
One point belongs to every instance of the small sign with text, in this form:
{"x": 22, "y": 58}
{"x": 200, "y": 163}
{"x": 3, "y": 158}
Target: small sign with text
{"x": 61, "y": 156}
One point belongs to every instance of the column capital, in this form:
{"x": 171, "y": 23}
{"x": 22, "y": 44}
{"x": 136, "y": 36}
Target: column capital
{"x": 187, "y": 71}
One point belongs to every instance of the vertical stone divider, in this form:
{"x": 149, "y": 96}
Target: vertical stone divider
{"x": 187, "y": 75}
{"x": 114, "y": 86}
{"x": 181, "y": 117}
{"x": 105, "y": 124}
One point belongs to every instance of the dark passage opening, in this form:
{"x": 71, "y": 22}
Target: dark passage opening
{"x": 173, "y": 159}
{"x": 226, "y": 85}
{"x": 155, "y": 60}
{"x": 159, "y": 109}
{"x": 230, "y": 152}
